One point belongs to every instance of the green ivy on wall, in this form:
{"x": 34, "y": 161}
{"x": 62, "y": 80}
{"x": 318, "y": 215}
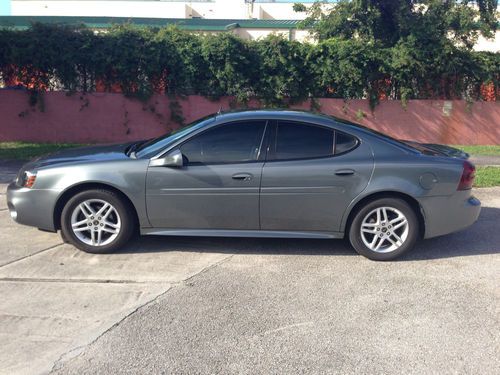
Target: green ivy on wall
{"x": 141, "y": 61}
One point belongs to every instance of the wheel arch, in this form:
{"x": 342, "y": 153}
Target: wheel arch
{"x": 414, "y": 204}
{"x": 75, "y": 189}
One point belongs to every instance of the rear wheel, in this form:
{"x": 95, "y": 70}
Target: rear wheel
{"x": 384, "y": 229}
{"x": 96, "y": 221}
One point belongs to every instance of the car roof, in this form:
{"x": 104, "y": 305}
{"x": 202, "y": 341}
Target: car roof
{"x": 271, "y": 113}
{"x": 293, "y": 115}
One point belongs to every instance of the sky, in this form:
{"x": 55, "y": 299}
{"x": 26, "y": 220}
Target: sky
{"x": 4, "y": 7}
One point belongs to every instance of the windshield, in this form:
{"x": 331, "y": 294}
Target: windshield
{"x": 156, "y": 145}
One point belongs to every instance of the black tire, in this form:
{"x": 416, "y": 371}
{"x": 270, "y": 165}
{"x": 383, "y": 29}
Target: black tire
{"x": 359, "y": 245}
{"x": 124, "y": 212}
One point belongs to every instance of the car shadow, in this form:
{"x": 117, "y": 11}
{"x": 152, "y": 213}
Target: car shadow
{"x": 481, "y": 238}
{"x": 238, "y": 245}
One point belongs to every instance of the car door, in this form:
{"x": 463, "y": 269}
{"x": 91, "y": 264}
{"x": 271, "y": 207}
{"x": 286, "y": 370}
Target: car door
{"x": 311, "y": 175}
{"x": 218, "y": 185}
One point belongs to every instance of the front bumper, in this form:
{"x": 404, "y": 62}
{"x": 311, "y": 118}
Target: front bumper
{"x": 34, "y": 207}
{"x": 445, "y": 215}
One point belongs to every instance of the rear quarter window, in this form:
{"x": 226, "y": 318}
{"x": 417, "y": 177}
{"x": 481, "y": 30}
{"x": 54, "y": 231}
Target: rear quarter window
{"x": 345, "y": 143}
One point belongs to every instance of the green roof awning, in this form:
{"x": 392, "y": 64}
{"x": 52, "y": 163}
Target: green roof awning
{"x": 194, "y": 24}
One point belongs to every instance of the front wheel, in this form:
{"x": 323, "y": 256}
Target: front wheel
{"x": 97, "y": 221}
{"x": 384, "y": 229}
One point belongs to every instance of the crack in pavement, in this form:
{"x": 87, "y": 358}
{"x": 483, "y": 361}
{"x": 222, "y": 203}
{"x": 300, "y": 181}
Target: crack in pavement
{"x": 75, "y": 352}
{"x": 32, "y": 254}
{"x": 80, "y": 281}
{"x": 208, "y": 268}
{"x": 102, "y": 281}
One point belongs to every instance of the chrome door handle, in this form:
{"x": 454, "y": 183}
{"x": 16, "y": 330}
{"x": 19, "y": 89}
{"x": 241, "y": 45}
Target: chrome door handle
{"x": 242, "y": 176}
{"x": 344, "y": 172}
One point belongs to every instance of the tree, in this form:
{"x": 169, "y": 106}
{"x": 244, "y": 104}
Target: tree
{"x": 390, "y": 21}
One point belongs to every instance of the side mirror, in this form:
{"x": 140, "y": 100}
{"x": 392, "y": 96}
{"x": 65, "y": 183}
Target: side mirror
{"x": 172, "y": 159}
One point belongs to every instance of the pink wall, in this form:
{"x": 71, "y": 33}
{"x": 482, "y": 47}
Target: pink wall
{"x": 106, "y": 117}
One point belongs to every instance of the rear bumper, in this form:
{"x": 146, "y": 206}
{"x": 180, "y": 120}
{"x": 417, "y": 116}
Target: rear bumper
{"x": 445, "y": 215}
{"x": 32, "y": 207}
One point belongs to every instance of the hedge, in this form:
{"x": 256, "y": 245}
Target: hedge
{"x": 142, "y": 61}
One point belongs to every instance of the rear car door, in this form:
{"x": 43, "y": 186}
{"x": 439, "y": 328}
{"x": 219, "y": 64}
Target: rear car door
{"x": 311, "y": 175}
{"x": 218, "y": 186}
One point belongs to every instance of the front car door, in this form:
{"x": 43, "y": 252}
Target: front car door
{"x": 218, "y": 186}
{"x": 311, "y": 175}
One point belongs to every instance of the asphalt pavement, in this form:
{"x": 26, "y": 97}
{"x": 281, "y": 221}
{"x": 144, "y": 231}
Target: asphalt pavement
{"x": 485, "y": 160}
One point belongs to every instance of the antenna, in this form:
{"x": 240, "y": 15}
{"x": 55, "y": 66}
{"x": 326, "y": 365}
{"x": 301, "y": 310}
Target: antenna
{"x": 220, "y": 110}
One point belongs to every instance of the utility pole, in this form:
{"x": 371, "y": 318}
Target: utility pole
{"x": 250, "y": 7}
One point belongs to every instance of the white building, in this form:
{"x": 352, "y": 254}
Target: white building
{"x": 211, "y": 9}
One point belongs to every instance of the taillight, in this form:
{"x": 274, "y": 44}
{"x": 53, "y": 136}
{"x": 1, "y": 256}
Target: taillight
{"x": 468, "y": 175}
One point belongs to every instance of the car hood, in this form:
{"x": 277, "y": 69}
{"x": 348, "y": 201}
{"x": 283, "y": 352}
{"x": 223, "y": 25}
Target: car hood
{"x": 438, "y": 149}
{"x": 82, "y": 154}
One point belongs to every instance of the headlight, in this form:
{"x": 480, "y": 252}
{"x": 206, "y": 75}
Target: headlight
{"x": 27, "y": 179}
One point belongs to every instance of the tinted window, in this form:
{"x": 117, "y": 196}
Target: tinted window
{"x": 300, "y": 141}
{"x": 156, "y": 145}
{"x": 230, "y": 143}
{"x": 344, "y": 143}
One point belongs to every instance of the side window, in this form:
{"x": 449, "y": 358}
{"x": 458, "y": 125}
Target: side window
{"x": 300, "y": 141}
{"x": 236, "y": 142}
{"x": 344, "y": 143}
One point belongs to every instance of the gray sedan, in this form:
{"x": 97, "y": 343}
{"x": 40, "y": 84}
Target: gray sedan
{"x": 251, "y": 174}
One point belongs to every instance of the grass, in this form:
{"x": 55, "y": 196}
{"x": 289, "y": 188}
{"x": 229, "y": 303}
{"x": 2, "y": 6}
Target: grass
{"x": 487, "y": 177}
{"x": 480, "y": 150}
{"x": 25, "y": 151}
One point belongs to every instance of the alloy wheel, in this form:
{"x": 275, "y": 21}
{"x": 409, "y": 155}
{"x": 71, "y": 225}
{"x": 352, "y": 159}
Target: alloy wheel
{"x": 384, "y": 229}
{"x": 95, "y": 222}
